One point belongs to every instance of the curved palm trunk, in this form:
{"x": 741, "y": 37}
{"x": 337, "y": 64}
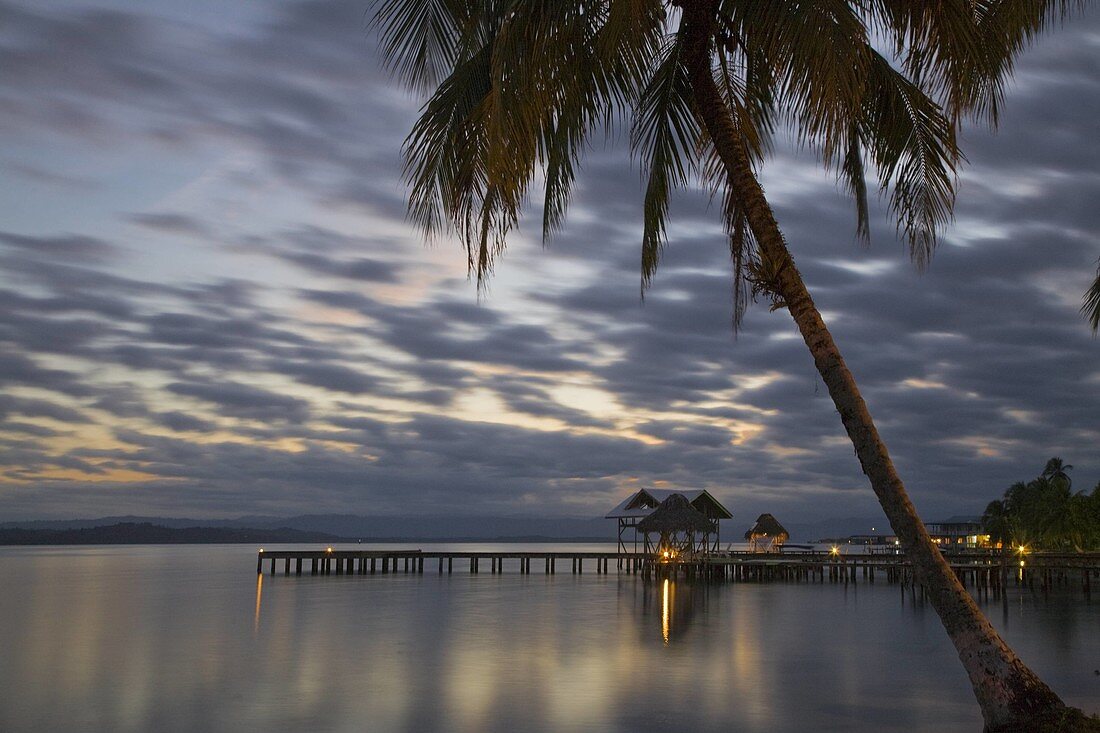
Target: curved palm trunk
{"x": 1011, "y": 696}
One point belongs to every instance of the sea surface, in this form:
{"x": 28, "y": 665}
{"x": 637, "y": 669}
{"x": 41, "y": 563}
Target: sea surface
{"x": 188, "y": 638}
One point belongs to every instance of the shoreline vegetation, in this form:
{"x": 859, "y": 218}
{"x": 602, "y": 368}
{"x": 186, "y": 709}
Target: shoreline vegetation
{"x": 1046, "y": 514}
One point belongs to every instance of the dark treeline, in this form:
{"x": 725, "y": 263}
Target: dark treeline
{"x": 1046, "y": 514}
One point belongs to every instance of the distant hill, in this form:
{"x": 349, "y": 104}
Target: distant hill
{"x": 436, "y": 528}
{"x": 132, "y": 533}
{"x": 441, "y": 528}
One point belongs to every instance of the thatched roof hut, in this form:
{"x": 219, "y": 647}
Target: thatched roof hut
{"x": 676, "y": 514}
{"x": 767, "y": 533}
{"x": 689, "y": 531}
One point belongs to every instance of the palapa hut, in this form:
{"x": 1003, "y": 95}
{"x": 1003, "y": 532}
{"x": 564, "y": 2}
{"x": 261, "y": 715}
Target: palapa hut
{"x": 680, "y": 529}
{"x": 645, "y": 502}
{"x": 767, "y": 535}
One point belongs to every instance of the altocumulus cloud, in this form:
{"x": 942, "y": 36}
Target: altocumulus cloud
{"x": 212, "y": 305}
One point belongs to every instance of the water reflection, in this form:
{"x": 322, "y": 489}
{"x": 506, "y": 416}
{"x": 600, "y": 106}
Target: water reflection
{"x": 677, "y": 601}
{"x": 169, "y": 639}
{"x": 259, "y": 596}
{"x": 665, "y": 610}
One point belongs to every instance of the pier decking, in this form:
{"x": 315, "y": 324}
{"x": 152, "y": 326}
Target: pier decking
{"x": 983, "y": 571}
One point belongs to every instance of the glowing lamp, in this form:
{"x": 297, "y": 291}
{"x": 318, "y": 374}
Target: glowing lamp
{"x": 328, "y": 549}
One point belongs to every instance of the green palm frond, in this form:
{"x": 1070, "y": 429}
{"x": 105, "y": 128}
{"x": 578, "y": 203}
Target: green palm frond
{"x": 665, "y": 136}
{"x": 419, "y": 40}
{"x": 1091, "y": 306}
{"x": 855, "y": 180}
{"x": 912, "y": 144}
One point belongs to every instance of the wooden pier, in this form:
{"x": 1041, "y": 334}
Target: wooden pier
{"x": 984, "y": 572}
{"x": 372, "y": 562}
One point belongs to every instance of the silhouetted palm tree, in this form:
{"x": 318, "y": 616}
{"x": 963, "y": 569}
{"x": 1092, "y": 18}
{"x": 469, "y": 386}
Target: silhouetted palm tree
{"x": 1055, "y": 470}
{"x": 519, "y": 86}
{"x": 997, "y": 522}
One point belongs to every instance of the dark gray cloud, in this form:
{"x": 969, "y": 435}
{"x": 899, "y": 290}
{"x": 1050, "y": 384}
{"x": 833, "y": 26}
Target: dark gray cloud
{"x": 208, "y": 240}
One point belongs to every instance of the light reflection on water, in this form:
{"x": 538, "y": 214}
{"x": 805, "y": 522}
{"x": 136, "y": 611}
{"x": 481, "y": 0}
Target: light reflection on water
{"x": 189, "y": 639}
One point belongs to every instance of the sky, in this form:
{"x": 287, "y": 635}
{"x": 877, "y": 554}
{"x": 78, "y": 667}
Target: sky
{"x": 211, "y": 303}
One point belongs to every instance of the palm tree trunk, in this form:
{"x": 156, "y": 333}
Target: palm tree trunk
{"x": 1011, "y": 696}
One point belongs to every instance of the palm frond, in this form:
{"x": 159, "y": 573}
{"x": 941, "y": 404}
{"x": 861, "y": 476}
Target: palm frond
{"x": 419, "y": 39}
{"x": 855, "y": 180}
{"x": 665, "y": 135}
{"x": 913, "y": 146}
{"x": 817, "y": 51}
{"x": 1091, "y": 306}
{"x": 963, "y": 51}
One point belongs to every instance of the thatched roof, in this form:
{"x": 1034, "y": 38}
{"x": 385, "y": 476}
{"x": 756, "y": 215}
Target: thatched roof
{"x": 675, "y": 514}
{"x": 766, "y": 526}
{"x": 643, "y": 502}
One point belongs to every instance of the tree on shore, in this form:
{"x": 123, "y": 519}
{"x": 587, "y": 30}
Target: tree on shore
{"x": 1056, "y": 470}
{"x": 1043, "y": 514}
{"x": 517, "y": 88}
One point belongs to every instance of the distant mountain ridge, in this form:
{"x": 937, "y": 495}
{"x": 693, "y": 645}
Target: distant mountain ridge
{"x": 445, "y": 527}
{"x": 143, "y": 533}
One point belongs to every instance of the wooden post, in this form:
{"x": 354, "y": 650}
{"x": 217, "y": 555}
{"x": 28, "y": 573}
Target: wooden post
{"x": 298, "y": 566}
{"x": 272, "y": 566}
{"x": 450, "y": 560}
{"x": 259, "y": 563}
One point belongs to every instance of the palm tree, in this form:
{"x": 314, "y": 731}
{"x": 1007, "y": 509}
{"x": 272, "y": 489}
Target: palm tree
{"x": 1055, "y": 470}
{"x": 517, "y": 88}
{"x": 997, "y": 522}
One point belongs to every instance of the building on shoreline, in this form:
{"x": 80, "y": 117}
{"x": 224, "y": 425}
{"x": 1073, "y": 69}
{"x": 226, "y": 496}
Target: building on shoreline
{"x": 959, "y": 532}
{"x": 953, "y": 533}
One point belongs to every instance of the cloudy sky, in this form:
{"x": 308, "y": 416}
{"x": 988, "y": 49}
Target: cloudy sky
{"x": 211, "y": 303}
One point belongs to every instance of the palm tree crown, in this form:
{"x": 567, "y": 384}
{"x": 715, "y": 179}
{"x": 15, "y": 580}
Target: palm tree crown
{"x": 518, "y": 88}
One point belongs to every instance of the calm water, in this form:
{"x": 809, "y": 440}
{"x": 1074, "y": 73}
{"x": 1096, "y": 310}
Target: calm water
{"x": 187, "y": 639}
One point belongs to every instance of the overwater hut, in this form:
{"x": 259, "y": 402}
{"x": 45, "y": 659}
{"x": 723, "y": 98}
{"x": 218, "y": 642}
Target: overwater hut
{"x": 767, "y": 534}
{"x": 644, "y": 502}
{"x": 676, "y": 529}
